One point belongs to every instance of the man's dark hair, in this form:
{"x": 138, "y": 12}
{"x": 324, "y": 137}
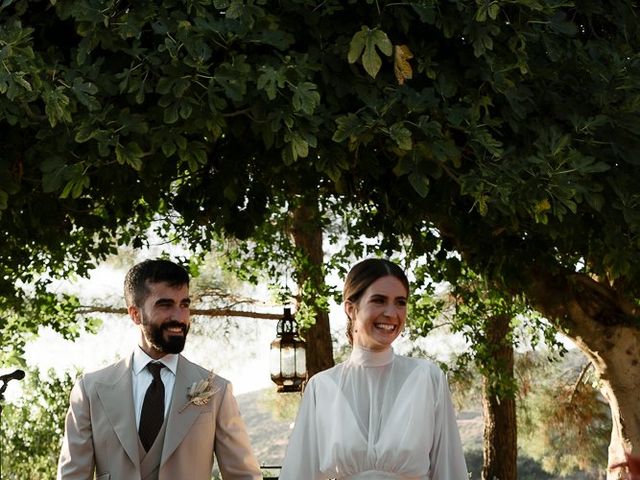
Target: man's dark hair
{"x": 152, "y": 271}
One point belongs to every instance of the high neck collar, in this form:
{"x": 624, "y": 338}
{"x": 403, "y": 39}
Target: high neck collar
{"x": 368, "y": 358}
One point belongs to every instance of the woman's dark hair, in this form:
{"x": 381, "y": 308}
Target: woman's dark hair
{"x": 362, "y": 275}
{"x": 153, "y": 271}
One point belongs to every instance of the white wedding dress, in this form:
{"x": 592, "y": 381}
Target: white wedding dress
{"x": 376, "y": 416}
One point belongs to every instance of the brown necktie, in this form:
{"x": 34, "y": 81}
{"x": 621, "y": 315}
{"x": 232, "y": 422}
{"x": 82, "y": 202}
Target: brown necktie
{"x": 152, "y": 414}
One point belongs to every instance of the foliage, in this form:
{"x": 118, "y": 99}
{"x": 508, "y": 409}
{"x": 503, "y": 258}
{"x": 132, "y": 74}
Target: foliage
{"x": 563, "y": 424}
{"x": 513, "y": 141}
{"x": 512, "y": 125}
{"x": 528, "y": 469}
{"x": 42, "y": 309}
{"x": 565, "y": 421}
{"x": 272, "y": 257}
{"x": 213, "y": 286}
{"x": 32, "y": 427}
{"x": 283, "y": 406}
{"x": 467, "y": 307}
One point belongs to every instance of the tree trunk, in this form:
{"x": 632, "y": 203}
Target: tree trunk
{"x": 307, "y": 234}
{"x": 605, "y": 327}
{"x": 500, "y": 429}
{"x": 319, "y": 347}
{"x": 618, "y": 366}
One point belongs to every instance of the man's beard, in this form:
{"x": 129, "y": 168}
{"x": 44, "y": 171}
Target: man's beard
{"x": 155, "y": 336}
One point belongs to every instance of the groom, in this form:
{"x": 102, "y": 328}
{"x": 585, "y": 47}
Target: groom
{"x": 155, "y": 415}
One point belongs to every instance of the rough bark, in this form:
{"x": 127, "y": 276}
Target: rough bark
{"x": 319, "y": 347}
{"x": 606, "y": 328}
{"x": 500, "y": 429}
{"x": 619, "y": 370}
{"x": 307, "y": 234}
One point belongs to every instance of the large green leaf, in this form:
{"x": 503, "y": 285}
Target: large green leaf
{"x": 364, "y": 43}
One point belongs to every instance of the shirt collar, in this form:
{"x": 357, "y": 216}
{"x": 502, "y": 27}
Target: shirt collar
{"x": 368, "y": 358}
{"x": 140, "y": 360}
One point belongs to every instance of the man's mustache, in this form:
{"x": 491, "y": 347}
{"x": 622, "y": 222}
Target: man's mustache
{"x": 175, "y": 324}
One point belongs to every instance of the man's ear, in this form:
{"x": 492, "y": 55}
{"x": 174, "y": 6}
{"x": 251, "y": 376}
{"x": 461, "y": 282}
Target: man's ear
{"x": 134, "y": 313}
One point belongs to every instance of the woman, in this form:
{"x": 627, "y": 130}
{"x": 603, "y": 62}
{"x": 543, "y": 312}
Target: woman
{"x": 377, "y": 415}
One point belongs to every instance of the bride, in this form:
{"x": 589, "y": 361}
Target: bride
{"x": 378, "y": 415}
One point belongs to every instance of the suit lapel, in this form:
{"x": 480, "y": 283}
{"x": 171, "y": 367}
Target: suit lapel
{"x": 115, "y": 393}
{"x": 180, "y": 420}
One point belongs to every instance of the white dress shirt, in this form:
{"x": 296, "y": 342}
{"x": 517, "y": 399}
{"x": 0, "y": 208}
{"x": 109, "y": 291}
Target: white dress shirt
{"x": 142, "y": 378}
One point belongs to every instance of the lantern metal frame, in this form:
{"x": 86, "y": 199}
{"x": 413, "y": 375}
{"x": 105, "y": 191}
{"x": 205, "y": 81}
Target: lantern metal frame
{"x": 288, "y": 342}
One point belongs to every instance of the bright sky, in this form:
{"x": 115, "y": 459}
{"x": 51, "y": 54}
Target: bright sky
{"x": 242, "y": 357}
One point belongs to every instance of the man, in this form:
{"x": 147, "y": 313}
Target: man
{"x": 155, "y": 415}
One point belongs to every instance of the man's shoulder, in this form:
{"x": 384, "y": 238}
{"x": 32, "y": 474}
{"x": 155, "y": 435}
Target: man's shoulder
{"x": 99, "y": 373}
{"x": 106, "y": 375}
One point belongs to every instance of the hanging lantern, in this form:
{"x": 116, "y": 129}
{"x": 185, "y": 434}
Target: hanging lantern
{"x": 288, "y": 360}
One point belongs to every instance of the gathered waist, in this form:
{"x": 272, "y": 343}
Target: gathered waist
{"x": 379, "y": 475}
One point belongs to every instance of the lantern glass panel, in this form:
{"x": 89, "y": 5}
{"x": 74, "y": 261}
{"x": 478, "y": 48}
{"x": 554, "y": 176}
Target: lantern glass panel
{"x": 288, "y": 361}
{"x": 301, "y": 362}
{"x": 274, "y": 361}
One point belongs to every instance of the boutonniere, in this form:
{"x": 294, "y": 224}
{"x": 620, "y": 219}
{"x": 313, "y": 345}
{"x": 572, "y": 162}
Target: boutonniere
{"x": 200, "y": 392}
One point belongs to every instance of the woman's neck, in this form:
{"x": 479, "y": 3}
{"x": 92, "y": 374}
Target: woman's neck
{"x": 365, "y": 357}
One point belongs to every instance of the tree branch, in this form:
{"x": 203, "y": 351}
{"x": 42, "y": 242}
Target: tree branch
{"x": 625, "y": 306}
{"x": 584, "y": 371}
{"x": 204, "y": 312}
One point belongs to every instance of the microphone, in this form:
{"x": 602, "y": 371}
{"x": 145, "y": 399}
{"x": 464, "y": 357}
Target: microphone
{"x": 15, "y": 375}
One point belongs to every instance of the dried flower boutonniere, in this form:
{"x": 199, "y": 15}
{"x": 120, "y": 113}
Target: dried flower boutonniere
{"x": 200, "y": 392}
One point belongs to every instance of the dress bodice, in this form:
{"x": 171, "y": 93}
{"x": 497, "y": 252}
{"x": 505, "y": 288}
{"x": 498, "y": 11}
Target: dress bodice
{"x": 377, "y": 415}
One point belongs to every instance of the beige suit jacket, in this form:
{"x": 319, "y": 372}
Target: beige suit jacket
{"x": 101, "y": 438}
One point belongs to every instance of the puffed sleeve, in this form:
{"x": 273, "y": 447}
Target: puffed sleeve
{"x": 76, "y": 460}
{"x": 446, "y": 456}
{"x": 232, "y": 444}
{"x": 302, "y": 458}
